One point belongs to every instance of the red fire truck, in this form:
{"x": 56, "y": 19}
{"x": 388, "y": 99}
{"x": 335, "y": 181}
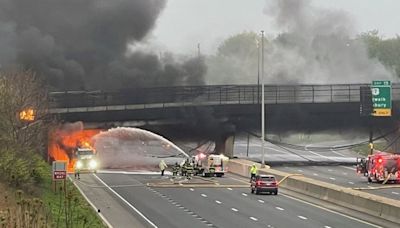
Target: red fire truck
{"x": 380, "y": 167}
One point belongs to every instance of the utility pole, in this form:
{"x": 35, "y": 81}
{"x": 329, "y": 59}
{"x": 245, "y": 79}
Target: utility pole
{"x": 258, "y": 72}
{"x": 262, "y": 102}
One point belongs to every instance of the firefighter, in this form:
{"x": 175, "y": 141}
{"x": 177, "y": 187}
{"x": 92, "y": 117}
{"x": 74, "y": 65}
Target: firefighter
{"x": 253, "y": 171}
{"x": 371, "y": 147}
{"x": 189, "y": 170}
{"x": 212, "y": 168}
{"x": 175, "y": 169}
{"x": 77, "y": 173}
{"x": 162, "y": 166}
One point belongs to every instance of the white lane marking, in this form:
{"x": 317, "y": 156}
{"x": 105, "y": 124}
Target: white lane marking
{"x": 90, "y": 202}
{"x": 332, "y": 178}
{"x": 396, "y": 193}
{"x": 244, "y": 194}
{"x": 335, "y": 152}
{"x": 315, "y": 174}
{"x": 191, "y": 189}
{"x": 348, "y": 168}
{"x": 344, "y": 173}
{"x": 203, "y": 195}
{"x": 279, "y": 208}
{"x": 254, "y": 219}
{"x": 190, "y": 212}
{"x": 329, "y": 170}
{"x": 125, "y": 201}
{"x": 302, "y": 217}
{"x": 300, "y": 170}
{"x": 218, "y": 202}
{"x": 331, "y": 211}
{"x": 261, "y": 201}
{"x": 229, "y": 189}
{"x": 350, "y": 182}
{"x": 234, "y": 209}
{"x": 306, "y": 148}
{"x": 327, "y": 227}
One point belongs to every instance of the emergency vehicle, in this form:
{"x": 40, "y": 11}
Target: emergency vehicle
{"x": 211, "y": 165}
{"x": 86, "y": 160}
{"x": 380, "y": 167}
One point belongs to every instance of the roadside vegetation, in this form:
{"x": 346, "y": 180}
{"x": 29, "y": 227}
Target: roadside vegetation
{"x": 27, "y": 198}
{"x": 364, "y": 149}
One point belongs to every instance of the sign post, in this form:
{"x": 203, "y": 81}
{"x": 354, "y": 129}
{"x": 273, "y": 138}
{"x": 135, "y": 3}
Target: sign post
{"x": 59, "y": 173}
{"x": 381, "y": 98}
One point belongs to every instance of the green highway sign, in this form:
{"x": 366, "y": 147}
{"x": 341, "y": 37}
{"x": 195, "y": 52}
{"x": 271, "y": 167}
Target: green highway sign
{"x": 381, "y": 98}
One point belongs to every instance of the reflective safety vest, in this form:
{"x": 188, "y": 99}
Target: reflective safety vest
{"x": 253, "y": 170}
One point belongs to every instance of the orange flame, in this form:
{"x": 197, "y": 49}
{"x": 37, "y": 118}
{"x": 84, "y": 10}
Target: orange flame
{"x": 62, "y": 145}
{"x": 27, "y": 114}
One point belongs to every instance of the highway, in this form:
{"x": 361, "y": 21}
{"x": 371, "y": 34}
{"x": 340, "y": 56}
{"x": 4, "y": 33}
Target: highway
{"x": 276, "y": 154}
{"x": 344, "y": 176}
{"x": 202, "y": 205}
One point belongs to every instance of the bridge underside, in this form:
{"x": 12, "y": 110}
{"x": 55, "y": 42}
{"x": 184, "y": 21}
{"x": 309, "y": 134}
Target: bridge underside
{"x": 279, "y": 116}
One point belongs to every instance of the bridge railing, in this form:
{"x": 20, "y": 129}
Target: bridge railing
{"x": 214, "y": 94}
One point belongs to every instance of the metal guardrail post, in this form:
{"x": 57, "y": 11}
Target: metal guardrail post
{"x": 313, "y": 94}
{"x": 349, "y": 93}
{"x": 220, "y": 95}
{"x": 239, "y": 94}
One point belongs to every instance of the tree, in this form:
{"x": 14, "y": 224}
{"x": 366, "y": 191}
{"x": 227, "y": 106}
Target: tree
{"x": 23, "y": 111}
{"x": 387, "y": 51}
{"x": 235, "y": 60}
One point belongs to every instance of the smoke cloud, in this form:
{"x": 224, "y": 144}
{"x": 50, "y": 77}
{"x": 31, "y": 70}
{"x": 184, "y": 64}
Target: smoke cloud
{"x": 316, "y": 46}
{"x": 84, "y": 44}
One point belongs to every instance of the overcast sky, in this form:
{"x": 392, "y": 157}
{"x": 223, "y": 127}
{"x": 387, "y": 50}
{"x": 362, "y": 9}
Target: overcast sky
{"x": 184, "y": 23}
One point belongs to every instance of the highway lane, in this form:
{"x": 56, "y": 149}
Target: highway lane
{"x": 220, "y": 207}
{"x": 276, "y": 153}
{"x": 344, "y": 176}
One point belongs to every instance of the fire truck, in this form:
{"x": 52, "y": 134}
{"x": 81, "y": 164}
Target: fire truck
{"x": 380, "y": 167}
{"x": 211, "y": 165}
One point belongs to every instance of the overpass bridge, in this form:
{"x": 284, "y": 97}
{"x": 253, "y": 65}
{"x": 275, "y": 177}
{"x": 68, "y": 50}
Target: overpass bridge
{"x": 150, "y": 104}
{"x": 221, "y": 106}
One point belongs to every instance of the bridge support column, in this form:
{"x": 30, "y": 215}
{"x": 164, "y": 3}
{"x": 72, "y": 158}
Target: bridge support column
{"x": 225, "y": 145}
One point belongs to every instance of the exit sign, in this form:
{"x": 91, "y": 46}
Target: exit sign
{"x": 381, "y": 98}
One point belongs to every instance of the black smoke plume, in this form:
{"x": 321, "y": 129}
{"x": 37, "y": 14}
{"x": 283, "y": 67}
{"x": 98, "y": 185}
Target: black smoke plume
{"x": 79, "y": 44}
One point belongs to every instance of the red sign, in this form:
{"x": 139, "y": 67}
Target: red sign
{"x": 59, "y": 175}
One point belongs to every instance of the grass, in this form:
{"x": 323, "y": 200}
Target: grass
{"x": 364, "y": 149}
{"x": 67, "y": 206}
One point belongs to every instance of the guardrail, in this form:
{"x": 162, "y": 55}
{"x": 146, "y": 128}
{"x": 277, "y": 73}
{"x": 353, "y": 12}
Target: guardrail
{"x": 214, "y": 94}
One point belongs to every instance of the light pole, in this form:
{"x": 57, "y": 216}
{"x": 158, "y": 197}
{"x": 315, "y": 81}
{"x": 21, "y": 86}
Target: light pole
{"x": 258, "y": 72}
{"x": 262, "y": 102}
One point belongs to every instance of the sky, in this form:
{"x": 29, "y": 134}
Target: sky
{"x": 185, "y": 23}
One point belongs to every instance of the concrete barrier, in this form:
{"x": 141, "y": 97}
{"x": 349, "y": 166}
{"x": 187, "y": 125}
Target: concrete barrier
{"x": 353, "y": 199}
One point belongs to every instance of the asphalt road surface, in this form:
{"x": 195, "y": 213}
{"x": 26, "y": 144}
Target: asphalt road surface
{"x": 275, "y": 154}
{"x": 345, "y": 176}
{"x": 221, "y": 206}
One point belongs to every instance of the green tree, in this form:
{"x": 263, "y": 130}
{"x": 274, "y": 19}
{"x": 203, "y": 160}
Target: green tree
{"x": 236, "y": 60}
{"x": 387, "y": 51}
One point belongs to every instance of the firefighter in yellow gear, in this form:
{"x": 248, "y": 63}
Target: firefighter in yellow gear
{"x": 253, "y": 171}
